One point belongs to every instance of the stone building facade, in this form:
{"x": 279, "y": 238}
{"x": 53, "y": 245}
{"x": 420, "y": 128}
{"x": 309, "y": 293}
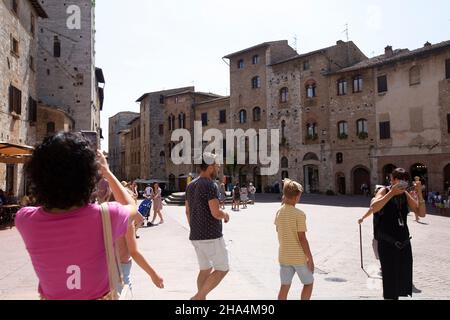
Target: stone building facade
{"x": 67, "y": 76}
{"x": 153, "y": 124}
{"x": 345, "y": 120}
{"x": 180, "y": 113}
{"x": 18, "y": 82}
{"x": 117, "y": 123}
{"x": 51, "y": 120}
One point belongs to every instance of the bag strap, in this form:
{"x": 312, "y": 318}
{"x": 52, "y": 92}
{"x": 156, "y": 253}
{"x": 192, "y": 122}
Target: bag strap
{"x": 114, "y": 272}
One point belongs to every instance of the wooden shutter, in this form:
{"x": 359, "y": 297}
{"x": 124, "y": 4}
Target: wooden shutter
{"x": 385, "y": 130}
{"x": 11, "y": 98}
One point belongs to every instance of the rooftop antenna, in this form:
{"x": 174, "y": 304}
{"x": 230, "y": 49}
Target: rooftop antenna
{"x": 295, "y": 42}
{"x": 347, "y": 32}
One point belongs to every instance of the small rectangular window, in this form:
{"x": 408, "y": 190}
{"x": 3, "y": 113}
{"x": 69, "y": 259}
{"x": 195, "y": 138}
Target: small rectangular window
{"x": 382, "y": 84}
{"x": 15, "y": 6}
{"x": 223, "y": 116}
{"x": 56, "y": 47}
{"x": 204, "y": 119}
{"x": 448, "y": 123}
{"x": 161, "y": 99}
{"x": 306, "y": 65}
{"x": 161, "y": 129}
{"x": 15, "y": 100}
{"x": 32, "y": 110}
{"x": 14, "y": 46}
{"x": 447, "y": 69}
{"x": 32, "y": 25}
{"x": 385, "y": 130}
{"x": 32, "y": 63}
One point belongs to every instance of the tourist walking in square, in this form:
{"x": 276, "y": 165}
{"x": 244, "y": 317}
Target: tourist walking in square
{"x": 205, "y": 221}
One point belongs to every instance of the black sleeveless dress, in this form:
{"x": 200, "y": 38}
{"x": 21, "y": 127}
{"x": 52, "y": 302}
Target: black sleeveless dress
{"x": 394, "y": 248}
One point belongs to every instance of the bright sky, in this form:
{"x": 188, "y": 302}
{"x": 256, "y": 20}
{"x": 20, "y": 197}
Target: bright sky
{"x": 149, "y": 45}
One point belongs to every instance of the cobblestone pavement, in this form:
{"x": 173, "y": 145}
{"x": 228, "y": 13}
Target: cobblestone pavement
{"x": 252, "y": 240}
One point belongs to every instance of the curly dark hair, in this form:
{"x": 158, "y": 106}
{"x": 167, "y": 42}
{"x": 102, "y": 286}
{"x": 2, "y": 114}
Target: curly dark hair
{"x": 63, "y": 171}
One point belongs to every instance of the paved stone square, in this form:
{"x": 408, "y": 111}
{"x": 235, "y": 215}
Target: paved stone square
{"x": 252, "y": 240}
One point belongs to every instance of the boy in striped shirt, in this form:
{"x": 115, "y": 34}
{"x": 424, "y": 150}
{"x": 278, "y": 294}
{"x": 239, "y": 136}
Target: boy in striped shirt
{"x": 294, "y": 254}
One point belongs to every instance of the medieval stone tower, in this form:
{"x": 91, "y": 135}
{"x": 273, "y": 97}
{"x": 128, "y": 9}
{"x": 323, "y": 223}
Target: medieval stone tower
{"x": 67, "y": 77}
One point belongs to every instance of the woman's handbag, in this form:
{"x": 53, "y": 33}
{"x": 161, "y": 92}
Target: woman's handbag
{"x": 118, "y": 290}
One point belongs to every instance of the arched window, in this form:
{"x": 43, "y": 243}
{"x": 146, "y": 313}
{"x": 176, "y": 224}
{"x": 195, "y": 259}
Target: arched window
{"x": 171, "y": 122}
{"x": 342, "y": 130}
{"x": 362, "y": 126}
{"x": 284, "y": 162}
{"x": 242, "y": 116}
{"x": 256, "y": 82}
{"x": 342, "y": 87}
{"x": 182, "y": 121}
{"x": 311, "y": 129}
{"x": 357, "y": 84}
{"x": 414, "y": 75}
{"x": 50, "y": 128}
{"x": 311, "y": 157}
{"x": 257, "y": 114}
{"x": 310, "y": 89}
{"x": 284, "y": 95}
{"x": 339, "y": 158}
{"x": 283, "y": 131}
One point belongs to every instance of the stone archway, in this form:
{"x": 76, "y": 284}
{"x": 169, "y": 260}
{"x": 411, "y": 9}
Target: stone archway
{"x": 447, "y": 178}
{"x": 361, "y": 176}
{"x": 341, "y": 186}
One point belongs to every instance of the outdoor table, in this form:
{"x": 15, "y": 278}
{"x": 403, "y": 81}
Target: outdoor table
{"x": 9, "y": 212}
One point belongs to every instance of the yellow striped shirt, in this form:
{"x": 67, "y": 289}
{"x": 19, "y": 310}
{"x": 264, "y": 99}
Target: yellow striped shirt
{"x": 290, "y": 221}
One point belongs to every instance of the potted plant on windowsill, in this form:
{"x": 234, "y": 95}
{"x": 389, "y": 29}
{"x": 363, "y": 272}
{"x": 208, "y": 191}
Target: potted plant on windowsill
{"x": 363, "y": 135}
{"x": 343, "y": 136}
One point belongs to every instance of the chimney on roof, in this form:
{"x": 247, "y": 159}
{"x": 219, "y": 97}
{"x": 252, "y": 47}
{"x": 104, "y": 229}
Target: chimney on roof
{"x": 340, "y": 42}
{"x": 427, "y": 44}
{"x": 388, "y": 52}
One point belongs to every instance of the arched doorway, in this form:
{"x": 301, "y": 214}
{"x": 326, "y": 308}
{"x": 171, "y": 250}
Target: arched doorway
{"x": 420, "y": 170}
{"x": 446, "y": 178}
{"x": 182, "y": 181}
{"x": 243, "y": 176}
{"x": 171, "y": 182}
{"x": 257, "y": 179}
{"x": 311, "y": 178}
{"x": 387, "y": 170}
{"x": 341, "y": 186}
{"x": 360, "y": 176}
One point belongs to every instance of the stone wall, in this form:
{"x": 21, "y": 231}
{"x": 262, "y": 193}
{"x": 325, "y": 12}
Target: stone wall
{"x": 16, "y": 70}
{"x": 69, "y": 81}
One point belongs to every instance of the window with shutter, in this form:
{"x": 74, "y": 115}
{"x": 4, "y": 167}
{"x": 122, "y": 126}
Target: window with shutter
{"x": 32, "y": 110}
{"x": 382, "y": 84}
{"x": 385, "y": 130}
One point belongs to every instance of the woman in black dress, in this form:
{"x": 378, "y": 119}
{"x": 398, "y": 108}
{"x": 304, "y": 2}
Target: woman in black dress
{"x": 393, "y": 205}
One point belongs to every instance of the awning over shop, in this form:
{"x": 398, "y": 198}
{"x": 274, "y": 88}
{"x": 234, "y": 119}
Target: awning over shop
{"x": 152, "y": 181}
{"x": 11, "y": 153}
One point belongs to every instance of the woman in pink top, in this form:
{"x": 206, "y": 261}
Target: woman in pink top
{"x": 64, "y": 236}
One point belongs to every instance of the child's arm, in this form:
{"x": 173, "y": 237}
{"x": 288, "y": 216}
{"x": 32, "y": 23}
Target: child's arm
{"x": 305, "y": 246}
{"x": 139, "y": 258}
{"x": 368, "y": 214}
